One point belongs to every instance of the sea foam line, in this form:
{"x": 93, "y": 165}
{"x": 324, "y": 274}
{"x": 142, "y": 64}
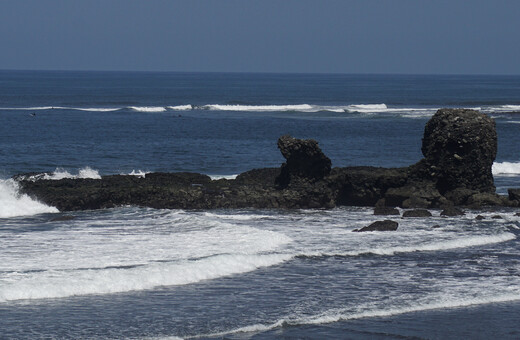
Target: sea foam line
{"x": 59, "y": 284}
{"x": 463, "y": 242}
{"x": 331, "y": 317}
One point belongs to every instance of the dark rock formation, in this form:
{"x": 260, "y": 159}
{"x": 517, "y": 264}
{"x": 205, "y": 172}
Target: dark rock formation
{"x": 417, "y": 213}
{"x": 304, "y": 161}
{"x": 386, "y": 225}
{"x": 459, "y": 147}
{"x": 480, "y": 218}
{"x": 364, "y": 186}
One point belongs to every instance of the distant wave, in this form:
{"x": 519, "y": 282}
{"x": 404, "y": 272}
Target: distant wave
{"x": 180, "y": 107}
{"x": 148, "y": 108}
{"x": 13, "y": 204}
{"x": 506, "y": 168}
{"x": 378, "y": 108}
{"x": 95, "y": 109}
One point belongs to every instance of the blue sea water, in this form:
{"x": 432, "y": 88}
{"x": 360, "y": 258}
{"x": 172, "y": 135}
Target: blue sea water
{"x": 142, "y": 273}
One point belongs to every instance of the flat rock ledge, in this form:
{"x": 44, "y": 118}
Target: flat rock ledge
{"x": 459, "y": 147}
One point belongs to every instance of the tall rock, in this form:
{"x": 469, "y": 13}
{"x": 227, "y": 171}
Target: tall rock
{"x": 305, "y": 162}
{"x": 459, "y": 148}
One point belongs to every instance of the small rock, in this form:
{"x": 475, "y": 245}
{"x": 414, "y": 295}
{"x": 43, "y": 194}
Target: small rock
{"x": 497, "y": 217}
{"x": 417, "y": 213}
{"x": 386, "y": 225}
{"x": 479, "y": 217}
{"x": 436, "y": 226}
{"x": 452, "y": 211}
{"x": 386, "y": 211}
{"x": 517, "y": 214}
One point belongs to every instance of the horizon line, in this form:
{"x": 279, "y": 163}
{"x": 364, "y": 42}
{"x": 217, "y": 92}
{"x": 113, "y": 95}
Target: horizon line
{"x": 260, "y": 72}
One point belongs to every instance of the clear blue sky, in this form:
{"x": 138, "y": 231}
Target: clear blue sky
{"x": 343, "y": 36}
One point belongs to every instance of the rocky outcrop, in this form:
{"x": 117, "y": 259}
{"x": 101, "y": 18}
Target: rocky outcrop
{"x": 459, "y": 147}
{"x": 305, "y": 162}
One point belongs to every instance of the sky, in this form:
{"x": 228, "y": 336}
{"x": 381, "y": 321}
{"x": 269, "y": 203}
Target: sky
{"x": 296, "y": 36}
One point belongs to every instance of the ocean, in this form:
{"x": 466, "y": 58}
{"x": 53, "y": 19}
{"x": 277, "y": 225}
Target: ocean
{"x": 141, "y": 273}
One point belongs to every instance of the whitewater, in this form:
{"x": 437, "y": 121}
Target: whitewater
{"x": 367, "y": 109}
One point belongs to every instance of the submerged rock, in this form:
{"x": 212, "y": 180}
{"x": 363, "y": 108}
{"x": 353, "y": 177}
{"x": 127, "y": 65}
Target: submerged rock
{"x": 417, "y": 213}
{"x": 386, "y": 225}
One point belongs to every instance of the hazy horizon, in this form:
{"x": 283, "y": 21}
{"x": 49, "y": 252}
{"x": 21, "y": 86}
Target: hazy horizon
{"x": 231, "y": 36}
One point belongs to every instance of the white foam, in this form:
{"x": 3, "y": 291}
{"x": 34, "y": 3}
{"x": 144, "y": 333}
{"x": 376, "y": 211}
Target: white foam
{"x": 148, "y": 108}
{"x": 61, "y": 173}
{"x": 368, "y": 107}
{"x": 217, "y": 177}
{"x": 57, "y": 284}
{"x": 501, "y": 109}
{"x": 267, "y": 108}
{"x": 181, "y": 107}
{"x": 139, "y": 173}
{"x": 506, "y": 168}
{"x": 13, "y": 204}
{"x": 33, "y": 108}
{"x": 96, "y": 109}
{"x": 461, "y": 242}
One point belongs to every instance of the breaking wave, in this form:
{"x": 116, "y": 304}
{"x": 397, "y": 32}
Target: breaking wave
{"x": 506, "y": 168}
{"x": 217, "y": 177}
{"x": 58, "y": 284}
{"x": 180, "y": 107}
{"x": 138, "y": 173}
{"x": 61, "y": 173}
{"x": 13, "y": 204}
{"x": 148, "y": 108}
